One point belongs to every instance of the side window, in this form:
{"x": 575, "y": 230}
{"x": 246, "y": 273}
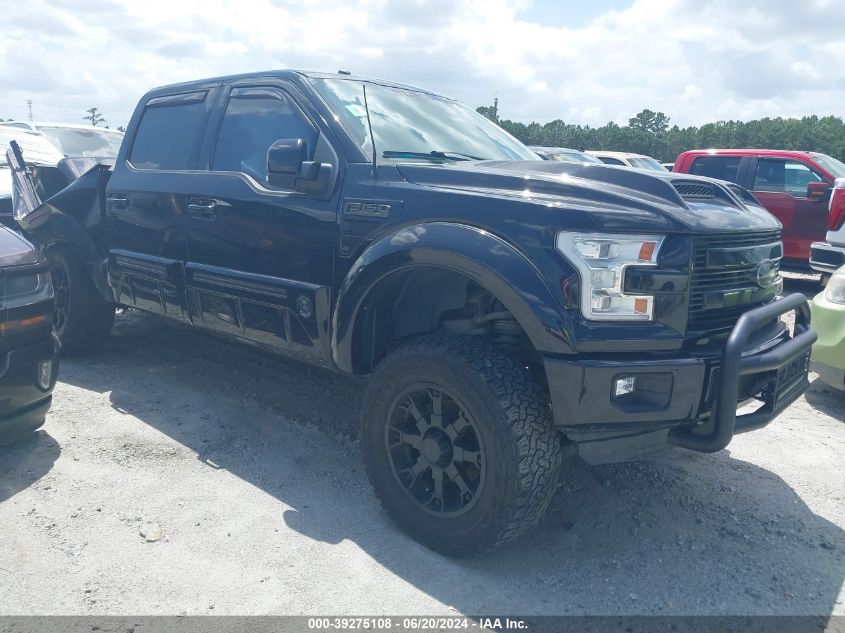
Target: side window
{"x": 721, "y": 167}
{"x": 254, "y": 119}
{"x": 784, "y": 176}
{"x": 607, "y": 160}
{"x": 169, "y": 132}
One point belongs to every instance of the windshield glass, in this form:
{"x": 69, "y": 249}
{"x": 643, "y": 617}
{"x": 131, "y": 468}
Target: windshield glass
{"x": 81, "y": 142}
{"x": 834, "y": 167}
{"x": 562, "y": 157}
{"x": 581, "y": 157}
{"x": 414, "y": 125}
{"x": 644, "y": 162}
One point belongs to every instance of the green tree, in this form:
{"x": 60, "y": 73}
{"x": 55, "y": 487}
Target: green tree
{"x": 491, "y": 112}
{"x": 649, "y": 132}
{"x": 94, "y": 115}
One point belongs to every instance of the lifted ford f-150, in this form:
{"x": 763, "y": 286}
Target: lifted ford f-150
{"x": 507, "y": 308}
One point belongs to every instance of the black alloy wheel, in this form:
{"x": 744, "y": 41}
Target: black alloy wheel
{"x": 435, "y": 450}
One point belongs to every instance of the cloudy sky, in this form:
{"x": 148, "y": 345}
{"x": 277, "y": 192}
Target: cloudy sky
{"x": 585, "y": 61}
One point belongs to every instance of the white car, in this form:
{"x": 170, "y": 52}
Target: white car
{"x": 36, "y": 150}
{"x": 73, "y": 140}
{"x": 827, "y": 256}
{"x": 627, "y": 159}
{"x": 564, "y": 155}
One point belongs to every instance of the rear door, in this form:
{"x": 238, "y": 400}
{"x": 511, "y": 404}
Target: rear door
{"x": 261, "y": 257}
{"x": 145, "y": 204}
{"x": 780, "y": 184}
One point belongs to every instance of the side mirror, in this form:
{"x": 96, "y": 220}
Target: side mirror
{"x": 818, "y": 190}
{"x": 288, "y": 168}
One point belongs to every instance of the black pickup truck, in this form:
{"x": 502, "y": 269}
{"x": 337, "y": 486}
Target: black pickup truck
{"x": 510, "y": 310}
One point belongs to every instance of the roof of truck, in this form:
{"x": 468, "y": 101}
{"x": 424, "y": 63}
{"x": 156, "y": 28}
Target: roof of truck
{"x": 601, "y": 152}
{"x": 750, "y": 152}
{"x": 289, "y": 73}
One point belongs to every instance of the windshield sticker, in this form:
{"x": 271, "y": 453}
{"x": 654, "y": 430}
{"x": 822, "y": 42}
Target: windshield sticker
{"x": 356, "y": 109}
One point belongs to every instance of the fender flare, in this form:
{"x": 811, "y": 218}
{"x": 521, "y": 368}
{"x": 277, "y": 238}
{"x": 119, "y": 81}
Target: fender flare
{"x": 479, "y": 255}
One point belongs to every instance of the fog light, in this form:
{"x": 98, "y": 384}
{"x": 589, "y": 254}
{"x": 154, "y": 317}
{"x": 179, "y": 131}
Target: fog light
{"x": 45, "y": 374}
{"x": 623, "y": 386}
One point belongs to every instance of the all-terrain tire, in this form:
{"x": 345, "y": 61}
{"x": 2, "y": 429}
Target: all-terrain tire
{"x": 512, "y": 420}
{"x": 83, "y": 320}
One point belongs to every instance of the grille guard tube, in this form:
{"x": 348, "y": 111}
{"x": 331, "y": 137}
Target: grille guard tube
{"x": 734, "y": 365}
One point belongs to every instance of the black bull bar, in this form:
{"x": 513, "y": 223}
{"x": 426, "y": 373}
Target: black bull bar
{"x": 789, "y": 359}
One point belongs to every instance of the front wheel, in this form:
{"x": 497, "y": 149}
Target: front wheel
{"x": 80, "y": 316}
{"x": 459, "y": 444}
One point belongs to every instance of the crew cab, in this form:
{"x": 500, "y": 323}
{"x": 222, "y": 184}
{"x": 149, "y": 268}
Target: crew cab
{"x": 506, "y": 307}
{"x": 793, "y": 186}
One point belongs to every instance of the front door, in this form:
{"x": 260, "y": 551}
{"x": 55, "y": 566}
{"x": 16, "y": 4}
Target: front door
{"x": 260, "y": 258}
{"x": 781, "y": 186}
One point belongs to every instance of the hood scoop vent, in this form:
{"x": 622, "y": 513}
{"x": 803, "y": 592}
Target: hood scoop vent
{"x": 694, "y": 190}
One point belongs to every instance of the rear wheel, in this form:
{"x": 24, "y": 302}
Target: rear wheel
{"x": 81, "y": 318}
{"x": 459, "y": 444}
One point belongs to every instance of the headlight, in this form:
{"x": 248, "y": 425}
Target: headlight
{"x": 26, "y": 288}
{"x": 835, "y": 289}
{"x": 601, "y": 260}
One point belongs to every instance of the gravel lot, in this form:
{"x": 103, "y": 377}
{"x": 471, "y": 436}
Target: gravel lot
{"x": 248, "y": 466}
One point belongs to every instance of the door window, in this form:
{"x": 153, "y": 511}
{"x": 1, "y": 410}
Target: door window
{"x": 254, "y": 119}
{"x": 721, "y": 167}
{"x": 169, "y": 133}
{"x": 784, "y": 176}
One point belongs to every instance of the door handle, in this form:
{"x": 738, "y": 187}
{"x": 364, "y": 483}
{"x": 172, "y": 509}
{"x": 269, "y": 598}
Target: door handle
{"x": 116, "y": 202}
{"x": 202, "y": 208}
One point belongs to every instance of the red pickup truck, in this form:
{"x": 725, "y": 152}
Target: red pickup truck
{"x": 793, "y": 186}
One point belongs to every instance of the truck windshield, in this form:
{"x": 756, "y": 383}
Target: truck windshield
{"x": 82, "y": 142}
{"x": 644, "y": 162}
{"x": 832, "y": 166}
{"x": 412, "y": 125}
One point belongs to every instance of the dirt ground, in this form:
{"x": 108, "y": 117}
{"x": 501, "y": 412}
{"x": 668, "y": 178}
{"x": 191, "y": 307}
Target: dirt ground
{"x": 242, "y": 472}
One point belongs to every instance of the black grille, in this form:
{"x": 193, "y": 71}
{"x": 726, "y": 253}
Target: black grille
{"x": 706, "y": 279}
{"x": 689, "y": 189}
{"x": 831, "y": 258}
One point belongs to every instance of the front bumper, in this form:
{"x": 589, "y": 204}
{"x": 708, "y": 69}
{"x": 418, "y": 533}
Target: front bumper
{"x": 692, "y": 399}
{"x": 23, "y": 400}
{"x": 826, "y": 258}
{"x": 828, "y": 359}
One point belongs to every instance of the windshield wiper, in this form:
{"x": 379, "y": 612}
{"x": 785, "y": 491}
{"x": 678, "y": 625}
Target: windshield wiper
{"x": 437, "y": 155}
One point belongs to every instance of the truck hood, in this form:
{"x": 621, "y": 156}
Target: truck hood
{"x": 616, "y": 198}
{"x": 15, "y": 250}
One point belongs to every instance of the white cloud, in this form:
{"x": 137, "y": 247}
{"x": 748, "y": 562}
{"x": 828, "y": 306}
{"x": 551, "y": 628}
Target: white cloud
{"x": 692, "y": 59}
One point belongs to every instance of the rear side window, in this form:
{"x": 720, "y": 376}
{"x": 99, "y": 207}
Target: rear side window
{"x": 170, "y": 132}
{"x": 784, "y": 176}
{"x": 255, "y": 118}
{"x": 721, "y": 167}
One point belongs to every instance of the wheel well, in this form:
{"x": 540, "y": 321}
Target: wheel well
{"x": 429, "y": 299}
